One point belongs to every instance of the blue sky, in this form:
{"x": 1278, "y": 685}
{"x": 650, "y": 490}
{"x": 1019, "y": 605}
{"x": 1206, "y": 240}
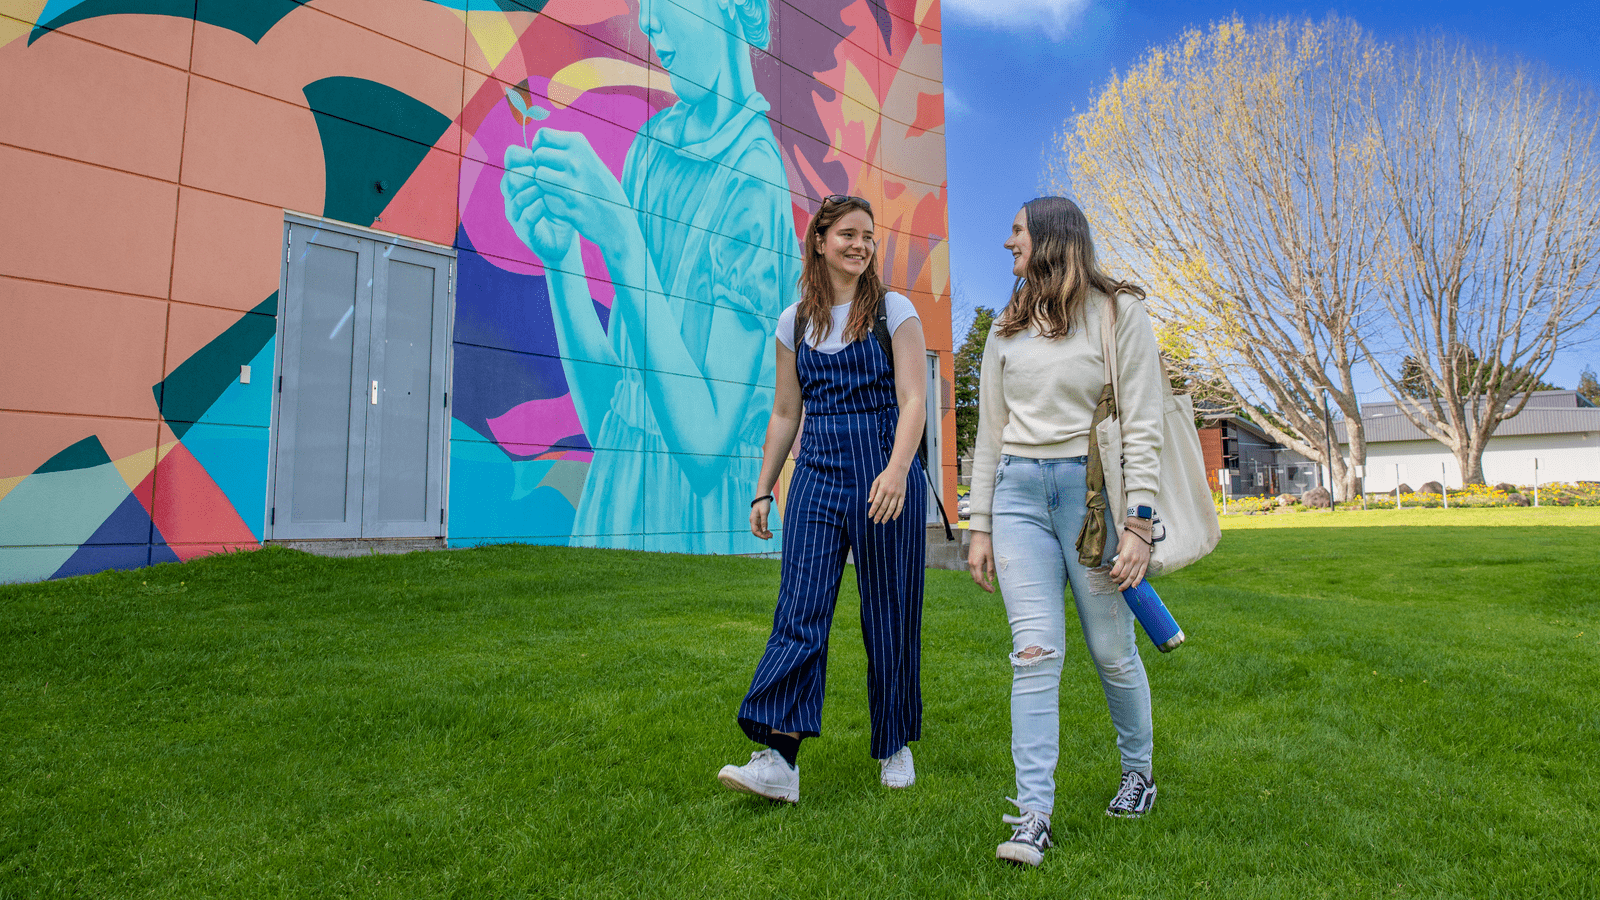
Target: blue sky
{"x": 1015, "y": 70}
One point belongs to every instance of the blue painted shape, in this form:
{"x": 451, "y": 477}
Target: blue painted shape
{"x": 489, "y": 382}
{"x": 496, "y": 308}
{"x": 121, "y": 542}
{"x": 494, "y": 499}
{"x": 161, "y": 553}
{"x": 129, "y": 524}
{"x": 91, "y": 559}
{"x": 236, "y": 459}
{"x": 55, "y": 512}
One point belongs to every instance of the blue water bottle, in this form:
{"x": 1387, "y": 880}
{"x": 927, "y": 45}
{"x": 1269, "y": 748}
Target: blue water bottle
{"x": 1147, "y": 607}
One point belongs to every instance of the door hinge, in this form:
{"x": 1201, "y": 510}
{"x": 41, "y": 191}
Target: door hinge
{"x": 446, "y": 399}
{"x": 272, "y": 517}
{"x": 441, "y": 515}
{"x": 280, "y": 384}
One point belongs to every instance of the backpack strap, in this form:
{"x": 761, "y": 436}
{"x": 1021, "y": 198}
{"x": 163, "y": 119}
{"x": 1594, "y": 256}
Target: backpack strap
{"x": 880, "y": 331}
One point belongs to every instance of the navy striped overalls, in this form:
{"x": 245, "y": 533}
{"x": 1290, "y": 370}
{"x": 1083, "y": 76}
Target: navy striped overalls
{"x": 848, "y": 434}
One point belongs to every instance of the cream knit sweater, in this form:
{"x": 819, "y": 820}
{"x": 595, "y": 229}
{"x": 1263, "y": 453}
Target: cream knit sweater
{"x": 1036, "y": 399}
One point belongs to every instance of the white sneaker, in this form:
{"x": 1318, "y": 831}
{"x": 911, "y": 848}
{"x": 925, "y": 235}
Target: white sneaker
{"x": 897, "y": 771}
{"x": 765, "y": 775}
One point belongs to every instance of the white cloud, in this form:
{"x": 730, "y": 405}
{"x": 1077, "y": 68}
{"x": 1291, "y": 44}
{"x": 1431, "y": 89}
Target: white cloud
{"x": 1053, "y": 17}
{"x": 953, "y": 104}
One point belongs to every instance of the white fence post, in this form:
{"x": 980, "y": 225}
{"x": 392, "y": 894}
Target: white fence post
{"x": 1444, "y": 486}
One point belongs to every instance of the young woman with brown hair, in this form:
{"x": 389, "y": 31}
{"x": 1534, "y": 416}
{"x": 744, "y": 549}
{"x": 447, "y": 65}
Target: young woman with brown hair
{"x": 857, "y": 486}
{"x": 1042, "y": 379}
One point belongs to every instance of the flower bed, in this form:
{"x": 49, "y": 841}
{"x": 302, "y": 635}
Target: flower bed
{"x": 1583, "y": 493}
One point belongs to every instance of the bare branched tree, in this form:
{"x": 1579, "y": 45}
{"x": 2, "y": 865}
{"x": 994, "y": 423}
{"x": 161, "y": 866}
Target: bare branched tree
{"x": 1234, "y": 171}
{"x": 1494, "y": 242}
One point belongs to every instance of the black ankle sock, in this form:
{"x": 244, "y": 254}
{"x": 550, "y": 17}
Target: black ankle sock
{"x": 787, "y": 747}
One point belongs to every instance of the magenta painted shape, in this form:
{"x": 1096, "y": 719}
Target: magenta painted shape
{"x": 528, "y": 429}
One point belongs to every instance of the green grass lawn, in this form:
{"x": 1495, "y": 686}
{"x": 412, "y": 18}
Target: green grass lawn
{"x": 1384, "y": 704}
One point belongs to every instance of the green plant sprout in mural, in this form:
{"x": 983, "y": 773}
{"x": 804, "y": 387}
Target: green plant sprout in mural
{"x": 673, "y": 390}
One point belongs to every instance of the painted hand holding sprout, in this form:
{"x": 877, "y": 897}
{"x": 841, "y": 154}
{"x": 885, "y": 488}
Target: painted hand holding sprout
{"x": 556, "y": 187}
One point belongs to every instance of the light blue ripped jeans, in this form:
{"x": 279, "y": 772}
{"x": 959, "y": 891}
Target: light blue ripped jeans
{"x": 1037, "y": 512}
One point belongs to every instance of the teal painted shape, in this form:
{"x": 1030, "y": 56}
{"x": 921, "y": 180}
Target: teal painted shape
{"x": 494, "y": 499}
{"x": 373, "y": 138}
{"x": 251, "y": 18}
{"x": 192, "y": 388}
{"x": 235, "y": 457}
{"x": 85, "y": 454}
{"x": 45, "y": 518}
{"x": 493, "y": 5}
{"x": 247, "y": 404}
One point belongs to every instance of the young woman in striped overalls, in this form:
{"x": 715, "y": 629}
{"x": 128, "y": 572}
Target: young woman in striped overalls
{"x": 857, "y": 486}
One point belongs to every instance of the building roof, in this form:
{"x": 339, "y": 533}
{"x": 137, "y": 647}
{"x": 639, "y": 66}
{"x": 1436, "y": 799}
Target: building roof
{"x": 1547, "y": 412}
{"x": 1219, "y": 419}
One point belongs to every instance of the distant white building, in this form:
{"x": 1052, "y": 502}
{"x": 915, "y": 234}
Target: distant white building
{"x": 1560, "y": 429}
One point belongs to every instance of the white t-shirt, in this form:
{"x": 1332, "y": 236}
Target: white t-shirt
{"x": 897, "y": 307}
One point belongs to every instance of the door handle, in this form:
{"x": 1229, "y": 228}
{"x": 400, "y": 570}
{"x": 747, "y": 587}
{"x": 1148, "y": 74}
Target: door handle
{"x": 374, "y": 393}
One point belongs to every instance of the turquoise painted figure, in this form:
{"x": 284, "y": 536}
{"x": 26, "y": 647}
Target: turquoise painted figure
{"x": 674, "y": 389}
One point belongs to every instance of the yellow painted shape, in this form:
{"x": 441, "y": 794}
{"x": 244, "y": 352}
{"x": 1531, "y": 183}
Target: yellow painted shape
{"x": 494, "y": 34}
{"x": 856, "y": 86}
{"x": 923, "y": 8}
{"x": 596, "y": 72}
{"x": 6, "y": 484}
{"x": 136, "y": 467}
{"x": 939, "y": 259}
{"x": 17, "y": 18}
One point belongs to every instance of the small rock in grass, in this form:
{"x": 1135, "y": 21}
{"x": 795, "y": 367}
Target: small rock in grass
{"x": 1316, "y": 498}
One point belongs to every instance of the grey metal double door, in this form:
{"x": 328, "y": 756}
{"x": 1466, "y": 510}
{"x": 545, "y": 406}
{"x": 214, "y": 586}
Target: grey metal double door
{"x": 361, "y": 416}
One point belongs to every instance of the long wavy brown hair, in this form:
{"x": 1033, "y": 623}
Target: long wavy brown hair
{"x": 1050, "y": 296}
{"x": 816, "y": 289}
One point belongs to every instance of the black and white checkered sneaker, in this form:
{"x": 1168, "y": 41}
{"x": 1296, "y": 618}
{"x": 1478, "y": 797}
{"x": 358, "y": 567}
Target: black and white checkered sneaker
{"x": 1134, "y": 798}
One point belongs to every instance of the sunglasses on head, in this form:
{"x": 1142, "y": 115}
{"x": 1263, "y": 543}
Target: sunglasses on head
{"x": 846, "y": 198}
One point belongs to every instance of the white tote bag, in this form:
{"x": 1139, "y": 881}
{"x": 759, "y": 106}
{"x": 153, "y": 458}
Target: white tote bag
{"x": 1186, "y": 526}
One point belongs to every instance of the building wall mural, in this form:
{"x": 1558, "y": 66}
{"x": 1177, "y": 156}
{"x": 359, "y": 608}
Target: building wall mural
{"x": 621, "y": 181}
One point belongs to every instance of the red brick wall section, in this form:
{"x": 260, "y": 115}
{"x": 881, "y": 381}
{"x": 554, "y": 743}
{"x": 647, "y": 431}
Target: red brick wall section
{"x": 1211, "y": 449}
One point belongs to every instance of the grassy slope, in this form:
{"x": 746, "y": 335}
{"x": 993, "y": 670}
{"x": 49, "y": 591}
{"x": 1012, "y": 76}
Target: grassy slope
{"x": 1385, "y": 704}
